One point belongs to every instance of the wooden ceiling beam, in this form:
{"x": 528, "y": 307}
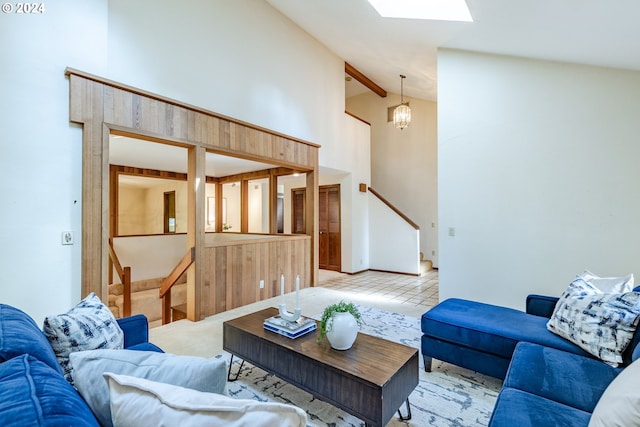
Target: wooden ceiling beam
{"x": 366, "y": 81}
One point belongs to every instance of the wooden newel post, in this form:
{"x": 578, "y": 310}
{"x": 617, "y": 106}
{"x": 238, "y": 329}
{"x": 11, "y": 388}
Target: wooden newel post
{"x": 126, "y": 283}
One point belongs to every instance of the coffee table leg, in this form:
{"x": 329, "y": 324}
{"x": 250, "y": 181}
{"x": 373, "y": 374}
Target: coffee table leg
{"x": 408, "y": 417}
{"x": 238, "y": 373}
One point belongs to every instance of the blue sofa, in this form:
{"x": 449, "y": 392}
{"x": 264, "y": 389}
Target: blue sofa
{"x": 548, "y": 381}
{"x": 33, "y": 390}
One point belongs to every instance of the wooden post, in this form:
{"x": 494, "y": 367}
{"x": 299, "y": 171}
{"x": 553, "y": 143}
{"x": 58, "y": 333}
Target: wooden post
{"x": 126, "y": 292}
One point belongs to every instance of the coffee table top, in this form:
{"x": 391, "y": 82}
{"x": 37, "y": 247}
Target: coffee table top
{"x": 372, "y": 359}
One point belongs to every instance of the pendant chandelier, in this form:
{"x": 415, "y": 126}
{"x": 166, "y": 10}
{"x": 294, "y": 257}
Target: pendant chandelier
{"x": 402, "y": 113}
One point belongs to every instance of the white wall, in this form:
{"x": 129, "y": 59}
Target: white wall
{"x": 395, "y": 244}
{"x": 404, "y": 162}
{"x": 149, "y": 257}
{"x": 355, "y": 157}
{"x": 240, "y": 58}
{"x": 538, "y": 175}
{"x": 351, "y": 160}
{"x": 40, "y": 164}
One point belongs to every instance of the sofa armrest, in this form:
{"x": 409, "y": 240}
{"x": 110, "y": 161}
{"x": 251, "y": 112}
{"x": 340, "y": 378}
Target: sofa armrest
{"x": 541, "y": 305}
{"x": 135, "y": 328}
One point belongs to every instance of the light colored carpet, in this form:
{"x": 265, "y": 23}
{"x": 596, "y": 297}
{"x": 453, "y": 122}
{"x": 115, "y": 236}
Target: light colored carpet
{"x": 447, "y": 397}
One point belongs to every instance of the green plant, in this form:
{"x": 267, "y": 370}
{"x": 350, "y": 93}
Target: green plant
{"x": 327, "y": 315}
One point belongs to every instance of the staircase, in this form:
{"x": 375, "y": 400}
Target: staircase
{"x": 145, "y": 299}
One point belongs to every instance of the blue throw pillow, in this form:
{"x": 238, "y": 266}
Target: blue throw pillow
{"x": 19, "y": 335}
{"x": 33, "y": 394}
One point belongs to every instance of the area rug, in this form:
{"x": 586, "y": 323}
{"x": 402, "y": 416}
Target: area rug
{"x": 449, "y": 396}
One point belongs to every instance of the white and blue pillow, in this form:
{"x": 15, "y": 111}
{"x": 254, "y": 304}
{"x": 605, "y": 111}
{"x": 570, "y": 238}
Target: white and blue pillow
{"x": 90, "y": 325}
{"x": 600, "y": 323}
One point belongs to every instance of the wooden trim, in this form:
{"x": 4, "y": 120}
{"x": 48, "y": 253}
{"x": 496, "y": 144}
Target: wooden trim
{"x": 357, "y": 118}
{"x": 125, "y": 277}
{"x": 311, "y": 222}
{"x": 259, "y": 238}
{"x": 219, "y": 195}
{"x": 273, "y": 204}
{"x": 244, "y": 206}
{"x": 395, "y": 209}
{"x": 71, "y": 71}
{"x": 148, "y": 173}
{"x": 353, "y": 72}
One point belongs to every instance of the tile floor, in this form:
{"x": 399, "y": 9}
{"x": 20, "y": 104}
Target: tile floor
{"x": 410, "y": 295}
{"x": 419, "y": 291}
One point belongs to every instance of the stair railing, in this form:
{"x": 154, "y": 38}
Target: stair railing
{"x": 125, "y": 278}
{"x": 172, "y": 278}
{"x": 395, "y": 209}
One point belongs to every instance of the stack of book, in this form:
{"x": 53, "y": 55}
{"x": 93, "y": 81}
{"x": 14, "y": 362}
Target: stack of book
{"x": 290, "y": 329}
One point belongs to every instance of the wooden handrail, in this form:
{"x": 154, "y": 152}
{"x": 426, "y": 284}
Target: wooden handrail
{"x": 125, "y": 277}
{"x": 172, "y": 278}
{"x": 393, "y": 208}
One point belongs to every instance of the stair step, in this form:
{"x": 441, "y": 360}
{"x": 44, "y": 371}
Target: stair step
{"x": 178, "y": 312}
{"x": 148, "y": 302}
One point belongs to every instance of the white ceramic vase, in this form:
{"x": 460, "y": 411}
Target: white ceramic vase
{"x": 344, "y": 330}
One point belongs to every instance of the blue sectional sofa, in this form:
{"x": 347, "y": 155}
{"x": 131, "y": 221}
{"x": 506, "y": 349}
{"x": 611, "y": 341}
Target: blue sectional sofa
{"x": 483, "y": 337}
{"x": 33, "y": 390}
{"x": 548, "y": 381}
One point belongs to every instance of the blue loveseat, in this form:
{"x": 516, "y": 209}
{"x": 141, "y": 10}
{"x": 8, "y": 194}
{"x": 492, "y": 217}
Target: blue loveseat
{"x": 33, "y": 390}
{"x": 548, "y": 381}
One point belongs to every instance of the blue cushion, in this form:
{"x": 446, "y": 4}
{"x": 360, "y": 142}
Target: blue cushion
{"x": 479, "y": 361}
{"x": 145, "y": 346}
{"x": 135, "y": 329}
{"x": 33, "y": 394}
{"x": 19, "y": 335}
{"x": 490, "y": 328}
{"x": 567, "y": 378}
{"x": 521, "y": 409}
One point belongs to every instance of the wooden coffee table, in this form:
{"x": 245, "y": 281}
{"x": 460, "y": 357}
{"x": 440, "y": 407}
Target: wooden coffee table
{"x": 370, "y": 381}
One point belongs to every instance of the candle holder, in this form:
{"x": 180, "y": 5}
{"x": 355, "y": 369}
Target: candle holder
{"x": 291, "y": 317}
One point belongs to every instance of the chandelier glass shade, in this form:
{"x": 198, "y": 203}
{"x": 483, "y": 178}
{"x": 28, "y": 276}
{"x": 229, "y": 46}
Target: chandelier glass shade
{"x": 402, "y": 113}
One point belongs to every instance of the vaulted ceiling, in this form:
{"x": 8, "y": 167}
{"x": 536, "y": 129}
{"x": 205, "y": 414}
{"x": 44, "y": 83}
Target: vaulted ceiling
{"x": 595, "y": 32}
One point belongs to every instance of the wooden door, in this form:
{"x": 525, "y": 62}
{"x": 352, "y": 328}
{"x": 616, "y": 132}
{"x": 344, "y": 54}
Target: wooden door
{"x": 298, "y": 209}
{"x": 329, "y": 238}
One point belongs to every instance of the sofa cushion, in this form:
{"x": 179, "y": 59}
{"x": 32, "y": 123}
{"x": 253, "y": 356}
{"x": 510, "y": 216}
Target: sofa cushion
{"x": 89, "y": 325}
{"x": 19, "y": 334}
{"x": 567, "y": 378}
{"x": 620, "y": 402}
{"x": 196, "y": 373}
{"x": 145, "y": 346}
{"x": 136, "y": 402}
{"x": 34, "y": 394}
{"x": 489, "y": 328}
{"x": 518, "y": 408}
{"x": 602, "y": 324}
{"x": 135, "y": 329}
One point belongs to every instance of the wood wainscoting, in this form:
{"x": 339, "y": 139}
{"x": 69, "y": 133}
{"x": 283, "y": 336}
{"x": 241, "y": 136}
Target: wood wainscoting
{"x": 234, "y": 269}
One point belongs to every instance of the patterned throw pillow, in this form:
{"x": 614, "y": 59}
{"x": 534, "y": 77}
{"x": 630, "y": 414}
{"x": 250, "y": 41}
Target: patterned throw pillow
{"x": 602, "y": 324}
{"x": 90, "y": 325}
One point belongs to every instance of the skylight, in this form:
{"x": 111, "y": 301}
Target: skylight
{"x": 440, "y": 10}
